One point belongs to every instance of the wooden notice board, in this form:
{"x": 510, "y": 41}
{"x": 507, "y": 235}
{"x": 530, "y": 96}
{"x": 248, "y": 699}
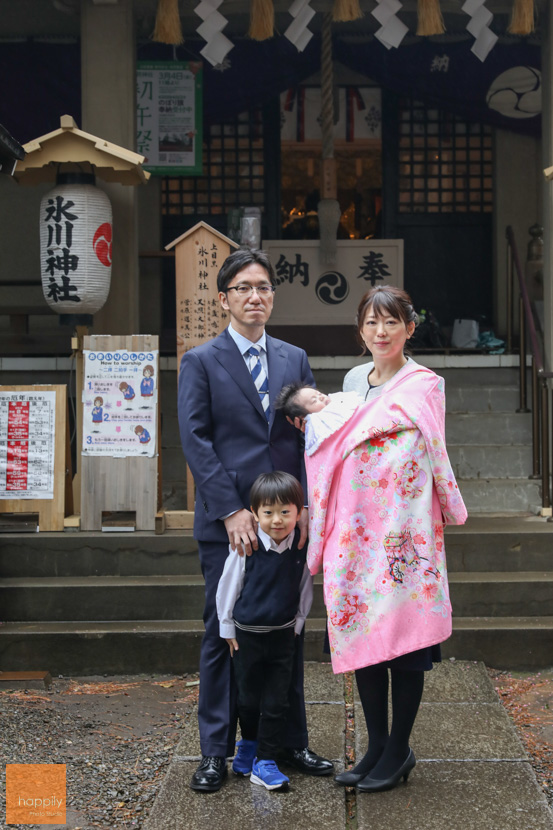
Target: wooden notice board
{"x": 51, "y": 511}
{"x": 111, "y": 484}
{"x": 199, "y": 254}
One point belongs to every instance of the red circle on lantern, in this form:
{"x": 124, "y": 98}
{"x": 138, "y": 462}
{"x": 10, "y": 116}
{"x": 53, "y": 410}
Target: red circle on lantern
{"x": 102, "y": 243}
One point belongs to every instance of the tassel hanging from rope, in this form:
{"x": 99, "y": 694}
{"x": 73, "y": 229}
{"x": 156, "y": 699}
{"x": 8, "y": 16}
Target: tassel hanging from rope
{"x": 168, "y": 26}
{"x": 522, "y": 18}
{"x": 345, "y": 10}
{"x": 262, "y": 19}
{"x": 430, "y": 20}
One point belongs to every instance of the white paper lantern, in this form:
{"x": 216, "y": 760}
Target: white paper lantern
{"x": 75, "y": 245}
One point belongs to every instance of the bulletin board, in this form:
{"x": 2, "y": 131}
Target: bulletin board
{"x": 120, "y": 449}
{"x": 34, "y": 453}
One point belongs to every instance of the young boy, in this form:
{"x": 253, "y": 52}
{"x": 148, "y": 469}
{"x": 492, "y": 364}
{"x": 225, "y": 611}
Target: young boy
{"x": 262, "y": 603}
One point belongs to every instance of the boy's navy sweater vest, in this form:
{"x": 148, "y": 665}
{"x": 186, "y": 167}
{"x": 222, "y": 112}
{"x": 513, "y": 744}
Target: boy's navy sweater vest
{"x": 271, "y": 592}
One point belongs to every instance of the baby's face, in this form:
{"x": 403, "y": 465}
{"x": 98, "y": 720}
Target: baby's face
{"x": 312, "y": 400}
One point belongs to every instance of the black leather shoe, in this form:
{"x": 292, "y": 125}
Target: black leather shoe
{"x": 378, "y": 785}
{"x": 307, "y": 761}
{"x": 210, "y": 775}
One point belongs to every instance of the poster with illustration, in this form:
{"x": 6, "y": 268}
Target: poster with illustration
{"x": 120, "y": 403}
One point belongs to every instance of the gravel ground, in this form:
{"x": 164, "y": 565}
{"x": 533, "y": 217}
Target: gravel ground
{"x": 528, "y": 698}
{"x": 115, "y": 735}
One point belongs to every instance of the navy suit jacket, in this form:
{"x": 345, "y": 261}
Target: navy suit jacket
{"x": 225, "y": 436}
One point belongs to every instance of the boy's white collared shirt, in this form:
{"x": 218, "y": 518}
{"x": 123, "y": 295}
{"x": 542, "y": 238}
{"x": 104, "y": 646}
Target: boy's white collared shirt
{"x": 232, "y": 581}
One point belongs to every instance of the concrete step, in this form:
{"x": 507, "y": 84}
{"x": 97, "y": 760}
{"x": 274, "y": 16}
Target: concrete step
{"x": 491, "y": 461}
{"x": 133, "y": 648}
{"x": 506, "y": 594}
{"x": 141, "y": 553}
{"x": 495, "y": 495}
{"x": 110, "y": 598}
{"x": 500, "y": 544}
{"x": 484, "y": 428}
{"x": 481, "y": 398}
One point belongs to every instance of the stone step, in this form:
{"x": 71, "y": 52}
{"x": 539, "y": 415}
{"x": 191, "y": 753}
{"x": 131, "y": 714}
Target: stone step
{"x": 485, "y": 428}
{"x": 141, "y": 553}
{"x": 499, "y": 544}
{"x": 481, "y": 399}
{"x": 495, "y": 495}
{"x": 111, "y": 599}
{"x": 491, "y": 461}
{"x": 82, "y": 649}
{"x": 506, "y": 594}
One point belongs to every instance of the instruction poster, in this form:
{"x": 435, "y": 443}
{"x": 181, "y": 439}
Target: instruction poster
{"x": 27, "y": 444}
{"x": 120, "y": 403}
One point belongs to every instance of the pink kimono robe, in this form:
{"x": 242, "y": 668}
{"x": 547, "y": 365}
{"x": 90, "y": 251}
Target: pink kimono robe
{"x": 380, "y": 490}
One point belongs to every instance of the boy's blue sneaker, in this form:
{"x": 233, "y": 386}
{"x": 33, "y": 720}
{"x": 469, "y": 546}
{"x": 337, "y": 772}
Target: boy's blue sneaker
{"x": 268, "y": 775}
{"x": 244, "y": 758}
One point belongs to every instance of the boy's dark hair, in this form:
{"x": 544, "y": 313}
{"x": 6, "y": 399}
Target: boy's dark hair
{"x": 286, "y": 400}
{"x": 240, "y": 259}
{"x": 276, "y": 488}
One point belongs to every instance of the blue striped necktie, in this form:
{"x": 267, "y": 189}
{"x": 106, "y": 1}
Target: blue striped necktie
{"x": 259, "y": 377}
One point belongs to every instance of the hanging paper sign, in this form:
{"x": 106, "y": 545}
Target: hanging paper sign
{"x": 27, "y": 443}
{"x": 169, "y": 117}
{"x": 120, "y": 403}
{"x": 309, "y": 293}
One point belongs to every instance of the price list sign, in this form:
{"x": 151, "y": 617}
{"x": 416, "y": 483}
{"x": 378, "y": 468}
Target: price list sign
{"x": 27, "y": 442}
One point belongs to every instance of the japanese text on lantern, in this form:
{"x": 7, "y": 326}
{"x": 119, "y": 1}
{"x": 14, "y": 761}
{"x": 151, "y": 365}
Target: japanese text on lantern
{"x": 60, "y": 262}
{"x": 27, "y": 427}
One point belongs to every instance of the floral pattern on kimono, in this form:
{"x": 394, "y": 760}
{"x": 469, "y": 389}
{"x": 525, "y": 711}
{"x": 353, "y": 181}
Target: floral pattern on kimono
{"x": 380, "y": 490}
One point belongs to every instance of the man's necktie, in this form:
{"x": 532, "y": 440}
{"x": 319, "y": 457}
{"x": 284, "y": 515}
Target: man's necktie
{"x": 259, "y": 377}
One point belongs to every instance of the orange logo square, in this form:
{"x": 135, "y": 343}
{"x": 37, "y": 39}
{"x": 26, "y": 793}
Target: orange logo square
{"x": 35, "y": 793}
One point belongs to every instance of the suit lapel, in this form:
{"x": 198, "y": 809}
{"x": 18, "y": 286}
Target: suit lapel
{"x": 277, "y": 361}
{"x": 228, "y": 355}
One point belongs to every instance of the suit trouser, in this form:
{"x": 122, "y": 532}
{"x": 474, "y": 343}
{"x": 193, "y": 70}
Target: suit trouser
{"x": 217, "y": 707}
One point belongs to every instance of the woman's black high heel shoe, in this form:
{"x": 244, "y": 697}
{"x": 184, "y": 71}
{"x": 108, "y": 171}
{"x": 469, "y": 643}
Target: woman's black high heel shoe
{"x": 377, "y": 785}
{"x": 350, "y": 777}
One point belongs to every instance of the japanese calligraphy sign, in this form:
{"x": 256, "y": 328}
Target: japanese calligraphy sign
{"x": 169, "y": 119}
{"x": 27, "y": 445}
{"x": 309, "y": 293}
{"x": 120, "y": 403}
{"x": 199, "y": 254}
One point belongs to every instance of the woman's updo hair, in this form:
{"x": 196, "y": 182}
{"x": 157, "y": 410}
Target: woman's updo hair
{"x": 385, "y": 301}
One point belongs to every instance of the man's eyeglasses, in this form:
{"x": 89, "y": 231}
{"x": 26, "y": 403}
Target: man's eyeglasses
{"x": 245, "y": 290}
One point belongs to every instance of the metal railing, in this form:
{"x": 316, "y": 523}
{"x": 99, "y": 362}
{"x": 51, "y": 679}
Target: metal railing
{"x": 540, "y": 377}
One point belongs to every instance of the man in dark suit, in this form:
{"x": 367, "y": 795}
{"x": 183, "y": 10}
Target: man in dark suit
{"x": 231, "y": 434}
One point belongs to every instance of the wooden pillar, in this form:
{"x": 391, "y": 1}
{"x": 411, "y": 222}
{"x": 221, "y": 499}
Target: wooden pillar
{"x": 108, "y": 67}
{"x": 547, "y": 161}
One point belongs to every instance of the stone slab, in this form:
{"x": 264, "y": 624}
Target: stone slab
{"x": 456, "y": 731}
{"x": 325, "y": 724}
{"x": 320, "y": 683}
{"x": 309, "y": 804}
{"x": 456, "y": 681}
{"x": 459, "y": 796}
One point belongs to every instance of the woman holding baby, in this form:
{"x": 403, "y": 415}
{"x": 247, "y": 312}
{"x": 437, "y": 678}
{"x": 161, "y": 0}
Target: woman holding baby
{"x": 381, "y": 489}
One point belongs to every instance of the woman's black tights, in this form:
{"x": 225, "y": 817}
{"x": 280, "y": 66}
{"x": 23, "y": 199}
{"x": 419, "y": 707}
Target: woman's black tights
{"x": 388, "y": 751}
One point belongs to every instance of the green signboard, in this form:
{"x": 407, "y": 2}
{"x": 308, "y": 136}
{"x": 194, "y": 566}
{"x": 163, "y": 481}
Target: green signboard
{"x": 169, "y": 117}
